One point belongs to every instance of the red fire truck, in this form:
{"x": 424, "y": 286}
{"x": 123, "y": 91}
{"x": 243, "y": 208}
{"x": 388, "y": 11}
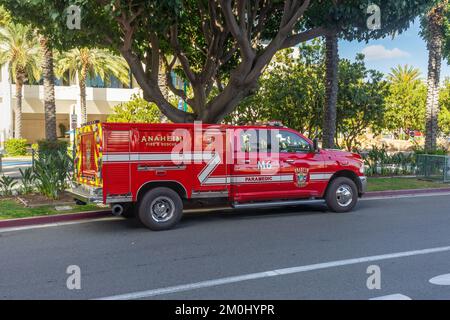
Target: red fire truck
{"x": 153, "y": 170}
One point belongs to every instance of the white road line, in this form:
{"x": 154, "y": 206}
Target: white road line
{"x": 56, "y": 224}
{"x": 442, "y": 280}
{"x": 271, "y": 273}
{"x": 395, "y": 296}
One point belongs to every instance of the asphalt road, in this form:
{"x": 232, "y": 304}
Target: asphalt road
{"x": 295, "y": 253}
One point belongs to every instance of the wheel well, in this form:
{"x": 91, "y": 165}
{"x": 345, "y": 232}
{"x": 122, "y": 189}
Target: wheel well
{"x": 347, "y": 174}
{"x": 175, "y": 186}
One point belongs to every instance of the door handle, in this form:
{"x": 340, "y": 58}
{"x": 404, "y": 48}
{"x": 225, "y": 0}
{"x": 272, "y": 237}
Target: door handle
{"x": 290, "y": 161}
{"x": 247, "y": 161}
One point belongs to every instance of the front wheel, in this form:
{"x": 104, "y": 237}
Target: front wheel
{"x": 160, "y": 209}
{"x": 342, "y": 195}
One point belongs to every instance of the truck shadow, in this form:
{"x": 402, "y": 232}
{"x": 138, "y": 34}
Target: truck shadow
{"x": 198, "y": 217}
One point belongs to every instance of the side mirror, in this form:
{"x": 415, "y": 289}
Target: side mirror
{"x": 316, "y": 145}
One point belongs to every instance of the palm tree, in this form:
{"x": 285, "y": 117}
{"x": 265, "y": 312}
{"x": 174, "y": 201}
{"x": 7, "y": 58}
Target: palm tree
{"x": 19, "y": 48}
{"x": 434, "y": 24}
{"x": 85, "y": 62}
{"x": 331, "y": 86}
{"x": 49, "y": 90}
{"x": 404, "y": 74}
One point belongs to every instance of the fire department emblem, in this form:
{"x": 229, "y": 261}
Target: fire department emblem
{"x": 301, "y": 175}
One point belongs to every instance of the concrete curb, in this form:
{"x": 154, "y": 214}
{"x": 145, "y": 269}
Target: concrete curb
{"x": 10, "y": 223}
{"x": 392, "y": 193}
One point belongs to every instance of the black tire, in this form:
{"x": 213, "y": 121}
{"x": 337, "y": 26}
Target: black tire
{"x": 161, "y": 204}
{"x": 338, "y": 198}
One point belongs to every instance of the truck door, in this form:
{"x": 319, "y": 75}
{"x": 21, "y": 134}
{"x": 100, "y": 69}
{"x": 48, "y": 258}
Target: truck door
{"x": 306, "y": 166}
{"x": 257, "y": 173}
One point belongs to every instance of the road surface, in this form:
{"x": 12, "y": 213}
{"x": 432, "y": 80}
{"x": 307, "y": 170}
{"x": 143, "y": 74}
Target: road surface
{"x": 294, "y": 253}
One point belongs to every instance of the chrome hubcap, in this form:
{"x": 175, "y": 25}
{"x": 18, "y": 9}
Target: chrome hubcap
{"x": 344, "y": 195}
{"x": 162, "y": 209}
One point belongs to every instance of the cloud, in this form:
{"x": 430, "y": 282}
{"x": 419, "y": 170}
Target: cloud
{"x": 379, "y": 52}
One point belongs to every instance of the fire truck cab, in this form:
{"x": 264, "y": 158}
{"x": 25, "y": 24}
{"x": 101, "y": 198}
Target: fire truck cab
{"x": 152, "y": 171}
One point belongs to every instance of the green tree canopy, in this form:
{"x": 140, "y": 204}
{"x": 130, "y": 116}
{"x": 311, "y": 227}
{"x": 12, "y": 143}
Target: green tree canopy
{"x": 292, "y": 91}
{"x": 21, "y": 50}
{"x": 405, "y": 104}
{"x": 444, "y": 115}
{"x": 361, "y": 101}
{"x": 222, "y": 43}
{"x": 137, "y": 110}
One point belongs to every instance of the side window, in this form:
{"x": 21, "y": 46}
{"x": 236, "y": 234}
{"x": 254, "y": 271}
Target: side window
{"x": 290, "y": 142}
{"x": 248, "y": 140}
{"x": 254, "y": 140}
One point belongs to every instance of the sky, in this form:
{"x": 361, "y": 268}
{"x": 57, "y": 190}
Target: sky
{"x": 406, "y": 48}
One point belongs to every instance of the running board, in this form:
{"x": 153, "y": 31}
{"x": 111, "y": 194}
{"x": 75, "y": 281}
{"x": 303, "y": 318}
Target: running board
{"x": 276, "y": 203}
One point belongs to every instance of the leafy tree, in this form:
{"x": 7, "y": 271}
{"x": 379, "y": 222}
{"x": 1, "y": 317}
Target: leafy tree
{"x": 136, "y": 110}
{"x": 405, "y": 104}
{"x": 5, "y": 17}
{"x": 21, "y": 51}
{"x": 216, "y": 43}
{"x": 404, "y": 74}
{"x": 395, "y": 16}
{"x": 444, "y": 102}
{"x": 361, "y": 101}
{"x": 436, "y": 32}
{"x": 84, "y": 62}
{"x": 291, "y": 91}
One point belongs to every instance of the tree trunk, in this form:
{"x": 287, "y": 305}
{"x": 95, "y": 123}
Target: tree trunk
{"x": 18, "y": 107}
{"x": 332, "y": 66}
{"x": 82, "y": 84}
{"x": 162, "y": 86}
{"x": 435, "y": 17}
{"x": 49, "y": 91}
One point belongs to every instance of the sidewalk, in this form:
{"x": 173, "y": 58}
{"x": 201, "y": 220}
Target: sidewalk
{"x": 10, "y": 166}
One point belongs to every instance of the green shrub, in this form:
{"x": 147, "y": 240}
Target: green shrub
{"x": 6, "y": 185}
{"x": 28, "y": 178}
{"x": 47, "y": 146}
{"x": 16, "y": 147}
{"x": 438, "y": 152}
{"x": 52, "y": 171}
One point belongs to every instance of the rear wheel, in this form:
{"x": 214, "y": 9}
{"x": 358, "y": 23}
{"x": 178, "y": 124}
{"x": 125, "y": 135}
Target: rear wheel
{"x": 342, "y": 195}
{"x": 160, "y": 209}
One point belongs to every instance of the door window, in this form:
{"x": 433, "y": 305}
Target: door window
{"x": 290, "y": 142}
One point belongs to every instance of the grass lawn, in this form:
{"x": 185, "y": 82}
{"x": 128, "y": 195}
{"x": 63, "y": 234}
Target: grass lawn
{"x": 383, "y": 184}
{"x": 9, "y": 209}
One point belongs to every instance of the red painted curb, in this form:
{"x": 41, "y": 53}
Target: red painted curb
{"x": 404, "y": 192}
{"x": 53, "y": 218}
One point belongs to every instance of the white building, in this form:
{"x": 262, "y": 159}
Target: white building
{"x": 100, "y": 101}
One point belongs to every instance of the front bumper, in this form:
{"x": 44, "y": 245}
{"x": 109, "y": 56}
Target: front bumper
{"x": 86, "y": 194}
{"x": 363, "y": 185}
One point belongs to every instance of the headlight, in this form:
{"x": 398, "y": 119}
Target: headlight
{"x": 361, "y": 169}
